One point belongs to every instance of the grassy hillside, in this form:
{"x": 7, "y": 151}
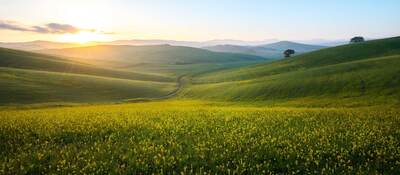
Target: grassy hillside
{"x": 28, "y": 86}
{"x": 335, "y": 55}
{"x": 367, "y": 72}
{"x": 33, "y": 61}
{"x": 126, "y": 56}
{"x": 27, "y": 77}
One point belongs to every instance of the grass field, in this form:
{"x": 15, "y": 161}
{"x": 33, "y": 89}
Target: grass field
{"x": 199, "y": 137}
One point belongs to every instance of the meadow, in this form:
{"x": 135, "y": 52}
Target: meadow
{"x": 332, "y": 111}
{"x": 181, "y": 136}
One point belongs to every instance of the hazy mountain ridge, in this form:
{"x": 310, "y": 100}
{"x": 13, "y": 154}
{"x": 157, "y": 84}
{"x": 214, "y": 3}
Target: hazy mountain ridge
{"x": 272, "y": 50}
{"x": 37, "y": 45}
{"x": 40, "y": 45}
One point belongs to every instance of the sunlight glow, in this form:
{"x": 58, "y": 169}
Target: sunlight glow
{"x": 84, "y": 37}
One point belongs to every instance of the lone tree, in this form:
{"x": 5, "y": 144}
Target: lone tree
{"x": 357, "y": 39}
{"x": 288, "y": 52}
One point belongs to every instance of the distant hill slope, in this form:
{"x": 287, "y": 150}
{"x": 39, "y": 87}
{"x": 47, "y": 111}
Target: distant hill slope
{"x": 34, "y": 61}
{"x": 273, "y": 50}
{"x": 37, "y": 45}
{"x": 368, "y": 71}
{"x": 299, "y": 47}
{"x": 23, "y": 86}
{"x": 161, "y": 54}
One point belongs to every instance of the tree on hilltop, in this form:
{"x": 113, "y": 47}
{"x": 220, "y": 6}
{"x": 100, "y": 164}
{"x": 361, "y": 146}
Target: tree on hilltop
{"x": 357, "y": 39}
{"x": 288, "y": 53}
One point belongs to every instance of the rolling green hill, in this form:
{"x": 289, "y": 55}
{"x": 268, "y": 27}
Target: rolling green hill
{"x": 33, "y": 61}
{"x": 28, "y": 77}
{"x": 21, "y": 86}
{"x": 366, "y": 72}
{"x": 127, "y": 56}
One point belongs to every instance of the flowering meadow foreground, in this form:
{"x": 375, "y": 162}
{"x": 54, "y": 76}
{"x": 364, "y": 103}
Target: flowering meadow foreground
{"x": 174, "y": 137}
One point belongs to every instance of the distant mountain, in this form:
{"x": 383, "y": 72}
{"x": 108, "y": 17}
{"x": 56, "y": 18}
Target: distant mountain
{"x": 324, "y": 42}
{"x": 37, "y": 45}
{"x": 250, "y": 50}
{"x": 136, "y": 42}
{"x": 238, "y": 42}
{"x": 298, "y": 47}
{"x": 41, "y": 45}
{"x": 273, "y": 50}
{"x": 188, "y": 43}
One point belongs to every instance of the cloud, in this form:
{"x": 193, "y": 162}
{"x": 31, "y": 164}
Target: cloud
{"x": 50, "y": 28}
{"x": 61, "y": 28}
{"x": 10, "y": 25}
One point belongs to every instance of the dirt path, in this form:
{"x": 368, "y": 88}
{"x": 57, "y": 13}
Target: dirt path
{"x": 180, "y": 83}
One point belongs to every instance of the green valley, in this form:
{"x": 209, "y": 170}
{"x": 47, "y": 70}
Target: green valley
{"x": 28, "y": 77}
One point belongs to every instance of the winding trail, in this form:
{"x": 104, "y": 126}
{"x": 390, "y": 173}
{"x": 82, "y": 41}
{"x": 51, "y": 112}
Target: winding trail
{"x": 180, "y": 84}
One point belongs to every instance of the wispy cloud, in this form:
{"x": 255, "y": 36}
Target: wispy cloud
{"x": 10, "y": 25}
{"x": 50, "y": 28}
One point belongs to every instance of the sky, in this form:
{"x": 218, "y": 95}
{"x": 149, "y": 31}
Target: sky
{"x": 196, "y": 20}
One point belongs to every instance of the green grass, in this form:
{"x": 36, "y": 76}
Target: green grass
{"x": 379, "y": 76}
{"x": 199, "y": 137}
{"x": 367, "y": 72}
{"x": 19, "y": 86}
